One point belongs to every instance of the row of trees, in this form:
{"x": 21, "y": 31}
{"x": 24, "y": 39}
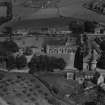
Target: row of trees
{"x": 98, "y": 6}
{"x": 46, "y": 63}
{"x": 37, "y": 63}
{"x": 86, "y": 26}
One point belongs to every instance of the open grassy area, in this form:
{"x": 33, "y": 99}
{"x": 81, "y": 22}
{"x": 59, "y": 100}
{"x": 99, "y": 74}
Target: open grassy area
{"x": 63, "y": 87}
{"x": 42, "y": 89}
{"x": 24, "y": 89}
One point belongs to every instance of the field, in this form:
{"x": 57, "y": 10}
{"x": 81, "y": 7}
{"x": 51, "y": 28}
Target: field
{"x": 63, "y": 87}
{"x": 24, "y": 89}
{"x": 46, "y": 89}
{"x": 36, "y": 17}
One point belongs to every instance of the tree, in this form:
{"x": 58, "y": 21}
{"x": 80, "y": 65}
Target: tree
{"x": 76, "y": 27}
{"x": 89, "y": 26}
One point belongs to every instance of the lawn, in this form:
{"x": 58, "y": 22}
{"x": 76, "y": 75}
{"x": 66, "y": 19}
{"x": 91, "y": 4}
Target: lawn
{"x": 42, "y": 89}
{"x": 24, "y": 89}
{"x": 63, "y": 87}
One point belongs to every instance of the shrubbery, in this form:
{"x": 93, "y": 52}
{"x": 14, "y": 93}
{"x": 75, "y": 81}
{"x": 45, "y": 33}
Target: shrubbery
{"x": 10, "y": 46}
{"x": 46, "y": 63}
{"x": 101, "y": 61}
{"x": 28, "y": 51}
{"x": 10, "y": 62}
{"x": 19, "y": 62}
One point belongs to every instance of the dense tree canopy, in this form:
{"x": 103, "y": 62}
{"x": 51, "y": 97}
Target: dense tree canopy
{"x": 89, "y": 26}
{"x": 76, "y": 27}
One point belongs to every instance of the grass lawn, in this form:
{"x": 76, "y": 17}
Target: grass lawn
{"x": 63, "y": 87}
{"x": 24, "y": 89}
